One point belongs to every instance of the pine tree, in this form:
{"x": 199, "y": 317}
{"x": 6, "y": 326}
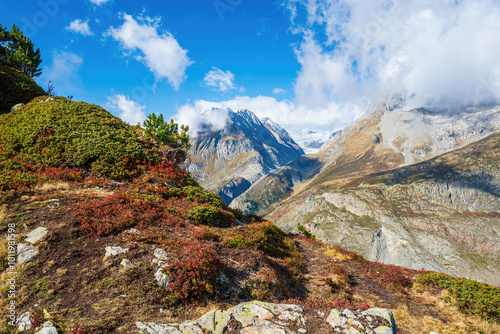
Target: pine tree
{"x": 21, "y": 52}
{"x": 167, "y": 134}
{"x": 3, "y": 52}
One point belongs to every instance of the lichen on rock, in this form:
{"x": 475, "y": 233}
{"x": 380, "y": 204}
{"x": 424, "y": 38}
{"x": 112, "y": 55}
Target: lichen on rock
{"x": 258, "y": 317}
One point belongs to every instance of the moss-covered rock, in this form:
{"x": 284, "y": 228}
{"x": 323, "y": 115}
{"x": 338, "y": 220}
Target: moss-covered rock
{"x": 16, "y": 87}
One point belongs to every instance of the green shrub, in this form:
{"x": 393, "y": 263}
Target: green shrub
{"x": 63, "y": 133}
{"x": 470, "y": 296}
{"x": 306, "y": 233}
{"x": 204, "y": 214}
{"x": 263, "y": 236}
{"x": 269, "y": 239}
{"x": 167, "y": 134}
{"x": 16, "y": 87}
{"x": 203, "y": 196}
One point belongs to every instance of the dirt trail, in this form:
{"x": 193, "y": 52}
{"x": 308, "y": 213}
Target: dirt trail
{"x": 316, "y": 271}
{"x": 318, "y": 267}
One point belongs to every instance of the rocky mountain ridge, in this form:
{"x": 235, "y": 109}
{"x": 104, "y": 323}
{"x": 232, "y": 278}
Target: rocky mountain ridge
{"x": 228, "y": 160}
{"x": 312, "y": 140}
{"x": 383, "y": 140}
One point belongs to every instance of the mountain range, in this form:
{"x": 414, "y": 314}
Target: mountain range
{"x": 312, "y": 140}
{"x": 228, "y": 161}
{"x": 405, "y": 186}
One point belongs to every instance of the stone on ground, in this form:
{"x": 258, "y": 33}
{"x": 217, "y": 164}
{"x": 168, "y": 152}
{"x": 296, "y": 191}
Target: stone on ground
{"x": 36, "y": 235}
{"x": 267, "y": 318}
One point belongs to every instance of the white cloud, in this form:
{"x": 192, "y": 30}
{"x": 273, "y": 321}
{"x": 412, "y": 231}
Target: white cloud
{"x": 224, "y": 81}
{"x": 159, "y": 51}
{"x": 198, "y": 118}
{"x": 129, "y": 110}
{"x": 435, "y": 53}
{"x": 80, "y": 27}
{"x": 63, "y": 72}
{"x": 438, "y": 52}
{"x": 292, "y": 116}
{"x": 278, "y": 91}
{"x": 99, "y": 2}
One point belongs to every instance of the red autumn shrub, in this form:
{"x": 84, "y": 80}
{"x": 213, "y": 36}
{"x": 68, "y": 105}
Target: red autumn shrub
{"x": 62, "y": 174}
{"x": 397, "y": 278}
{"x": 18, "y": 180}
{"x": 36, "y": 318}
{"x": 193, "y": 272}
{"x": 77, "y": 330}
{"x": 115, "y": 213}
{"x": 165, "y": 173}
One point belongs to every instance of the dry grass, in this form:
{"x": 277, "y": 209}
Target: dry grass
{"x": 57, "y": 185}
{"x": 449, "y": 321}
{"x": 3, "y": 213}
{"x": 340, "y": 280}
{"x": 4, "y": 288}
{"x": 339, "y": 284}
{"x": 61, "y": 272}
{"x": 336, "y": 255}
{"x": 98, "y": 192}
{"x": 4, "y": 244}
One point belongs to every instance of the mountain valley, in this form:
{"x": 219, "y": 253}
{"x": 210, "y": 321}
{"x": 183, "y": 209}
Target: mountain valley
{"x": 406, "y": 186}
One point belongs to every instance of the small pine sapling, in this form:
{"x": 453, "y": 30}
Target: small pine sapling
{"x": 166, "y": 135}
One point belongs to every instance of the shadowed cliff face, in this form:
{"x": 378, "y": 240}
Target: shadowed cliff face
{"x": 406, "y": 187}
{"x": 230, "y": 160}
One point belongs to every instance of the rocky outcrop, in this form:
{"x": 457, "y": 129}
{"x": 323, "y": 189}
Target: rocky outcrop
{"x": 262, "y": 318}
{"x": 36, "y": 235}
{"x": 230, "y": 160}
{"x": 114, "y": 250}
{"x": 27, "y": 251}
{"x": 47, "y": 328}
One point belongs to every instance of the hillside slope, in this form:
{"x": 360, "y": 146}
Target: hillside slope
{"x": 230, "y": 160}
{"x": 79, "y": 187}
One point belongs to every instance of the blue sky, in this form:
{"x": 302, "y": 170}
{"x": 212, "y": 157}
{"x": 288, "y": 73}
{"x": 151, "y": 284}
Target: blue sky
{"x": 306, "y": 64}
{"x": 251, "y": 40}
